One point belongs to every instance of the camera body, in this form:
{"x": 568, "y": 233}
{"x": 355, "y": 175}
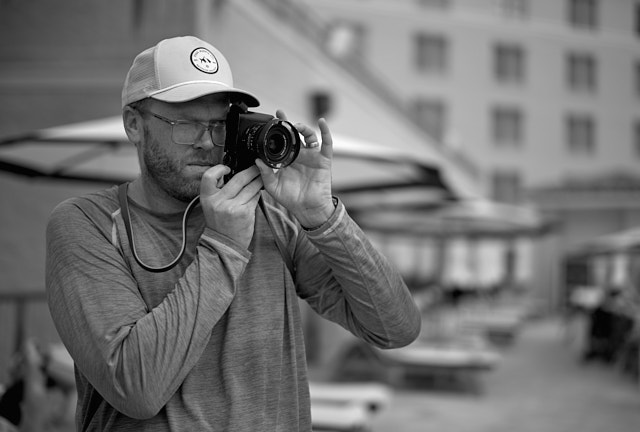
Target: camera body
{"x": 252, "y": 135}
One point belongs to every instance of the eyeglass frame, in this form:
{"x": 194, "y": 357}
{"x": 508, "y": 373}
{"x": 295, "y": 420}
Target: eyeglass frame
{"x": 208, "y": 127}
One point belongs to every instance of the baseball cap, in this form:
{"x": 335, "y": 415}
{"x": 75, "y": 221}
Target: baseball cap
{"x": 181, "y": 69}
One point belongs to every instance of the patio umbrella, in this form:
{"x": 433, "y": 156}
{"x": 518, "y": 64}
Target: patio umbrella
{"x": 365, "y": 174}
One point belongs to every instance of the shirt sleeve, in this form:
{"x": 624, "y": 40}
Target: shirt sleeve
{"x": 346, "y": 280}
{"x": 136, "y": 358}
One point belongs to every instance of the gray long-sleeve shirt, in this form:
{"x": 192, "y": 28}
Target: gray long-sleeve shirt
{"x": 216, "y": 343}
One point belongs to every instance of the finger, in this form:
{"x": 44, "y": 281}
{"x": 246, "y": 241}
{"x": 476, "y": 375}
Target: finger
{"x": 281, "y": 115}
{"x": 309, "y": 135}
{"x": 247, "y": 194}
{"x": 267, "y": 174}
{"x": 327, "y": 139}
{"x": 212, "y": 179}
{"x": 239, "y": 181}
{"x": 253, "y": 202}
{"x": 265, "y": 170}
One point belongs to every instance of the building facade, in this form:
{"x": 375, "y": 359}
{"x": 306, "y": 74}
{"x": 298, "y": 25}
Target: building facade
{"x": 535, "y": 93}
{"x": 543, "y": 97}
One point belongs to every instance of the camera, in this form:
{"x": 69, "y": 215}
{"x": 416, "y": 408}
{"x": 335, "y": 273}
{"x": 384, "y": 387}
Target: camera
{"x": 252, "y": 135}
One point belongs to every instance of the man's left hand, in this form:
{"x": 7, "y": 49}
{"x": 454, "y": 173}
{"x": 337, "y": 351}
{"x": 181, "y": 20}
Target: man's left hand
{"x": 304, "y": 187}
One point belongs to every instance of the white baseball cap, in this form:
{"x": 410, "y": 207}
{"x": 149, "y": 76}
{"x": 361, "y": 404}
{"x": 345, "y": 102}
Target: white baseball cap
{"x": 181, "y": 69}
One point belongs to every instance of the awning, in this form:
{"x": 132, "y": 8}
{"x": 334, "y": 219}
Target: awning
{"x": 365, "y": 175}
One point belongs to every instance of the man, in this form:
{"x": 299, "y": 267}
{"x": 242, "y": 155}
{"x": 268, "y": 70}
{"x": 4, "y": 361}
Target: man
{"x": 215, "y": 342}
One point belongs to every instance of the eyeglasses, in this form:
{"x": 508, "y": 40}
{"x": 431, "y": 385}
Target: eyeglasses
{"x": 185, "y": 132}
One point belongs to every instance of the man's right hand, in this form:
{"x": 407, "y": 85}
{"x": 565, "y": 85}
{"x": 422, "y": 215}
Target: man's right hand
{"x": 230, "y": 209}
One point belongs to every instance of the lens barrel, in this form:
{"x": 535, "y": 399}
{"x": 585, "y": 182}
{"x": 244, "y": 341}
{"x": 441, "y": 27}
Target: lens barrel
{"x": 252, "y": 135}
{"x": 276, "y": 142}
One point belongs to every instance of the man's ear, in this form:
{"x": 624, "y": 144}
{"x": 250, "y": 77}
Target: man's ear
{"x": 133, "y": 125}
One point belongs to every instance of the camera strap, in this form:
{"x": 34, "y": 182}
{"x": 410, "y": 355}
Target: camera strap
{"x": 126, "y": 216}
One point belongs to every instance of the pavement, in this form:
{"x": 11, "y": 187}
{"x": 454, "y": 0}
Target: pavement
{"x": 540, "y": 385}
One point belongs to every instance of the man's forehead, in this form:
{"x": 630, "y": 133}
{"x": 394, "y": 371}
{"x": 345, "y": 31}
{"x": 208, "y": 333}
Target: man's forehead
{"x": 206, "y": 105}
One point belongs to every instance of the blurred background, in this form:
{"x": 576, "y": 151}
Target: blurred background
{"x": 490, "y": 148}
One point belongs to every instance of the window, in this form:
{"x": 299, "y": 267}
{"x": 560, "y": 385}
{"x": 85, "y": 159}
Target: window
{"x": 509, "y": 64}
{"x": 432, "y": 116}
{"x": 581, "y": 72}
{"x": 583, "y": 14}
{"x": 507, "y": 126}
{"x": 580, "y": 134}
{"x": 506, "y": 186}
{"x": 347, "y": 40}
{"x": 320, "y": 104}
{"x": 431, "y": 53}
{"x": 514, "y": 8}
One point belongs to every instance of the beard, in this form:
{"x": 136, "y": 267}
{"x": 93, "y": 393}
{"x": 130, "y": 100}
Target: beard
{"x": 168, "y": 171}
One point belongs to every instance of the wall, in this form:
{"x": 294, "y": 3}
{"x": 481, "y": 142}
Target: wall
{"x": 469, "y": 88}
{"x": 65, "y": 61}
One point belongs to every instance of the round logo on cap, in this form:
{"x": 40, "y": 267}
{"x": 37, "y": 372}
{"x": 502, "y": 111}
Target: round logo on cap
{"x": 204, "y": 60}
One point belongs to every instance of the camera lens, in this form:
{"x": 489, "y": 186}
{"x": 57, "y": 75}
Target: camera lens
{"x": 278, "y": 143}
{"x": 252, "y": 136}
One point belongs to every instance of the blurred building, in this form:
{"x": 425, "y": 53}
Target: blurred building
{"x": 543, "y": 96}
{"x": 535, "y": 92}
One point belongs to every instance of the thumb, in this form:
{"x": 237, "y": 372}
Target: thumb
{"x": 267, "y": 174}
{"x": 212, "y": 179}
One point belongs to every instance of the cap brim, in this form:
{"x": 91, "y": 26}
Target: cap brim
{"x": 194, "y": 90}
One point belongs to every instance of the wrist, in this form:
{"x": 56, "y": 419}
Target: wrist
{"x": 316, "y": 219}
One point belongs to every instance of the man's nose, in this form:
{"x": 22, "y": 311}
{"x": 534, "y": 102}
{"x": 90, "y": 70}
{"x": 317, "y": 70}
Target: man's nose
{"x": 205, "y": 141}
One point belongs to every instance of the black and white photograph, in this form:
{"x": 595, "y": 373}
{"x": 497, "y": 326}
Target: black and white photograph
{"x": 320, "y": 215}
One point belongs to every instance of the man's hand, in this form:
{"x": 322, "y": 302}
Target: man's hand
{"x": 230, "y": 209}
{"x": 304, "y": 187}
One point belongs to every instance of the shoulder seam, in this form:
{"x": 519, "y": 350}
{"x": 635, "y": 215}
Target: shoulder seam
{"x": 114, "y": 229}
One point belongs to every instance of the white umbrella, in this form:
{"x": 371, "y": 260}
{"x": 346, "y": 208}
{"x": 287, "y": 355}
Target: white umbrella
{"x": 364, "y": 174}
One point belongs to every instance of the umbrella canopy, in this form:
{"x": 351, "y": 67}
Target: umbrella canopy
{"x": 365, "y": 175}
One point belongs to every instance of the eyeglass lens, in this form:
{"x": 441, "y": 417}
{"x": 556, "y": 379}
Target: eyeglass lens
{"x": 189, "y": 133}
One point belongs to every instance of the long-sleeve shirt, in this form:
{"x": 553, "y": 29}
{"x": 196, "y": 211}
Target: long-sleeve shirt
{"x": 216, "y": 343}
